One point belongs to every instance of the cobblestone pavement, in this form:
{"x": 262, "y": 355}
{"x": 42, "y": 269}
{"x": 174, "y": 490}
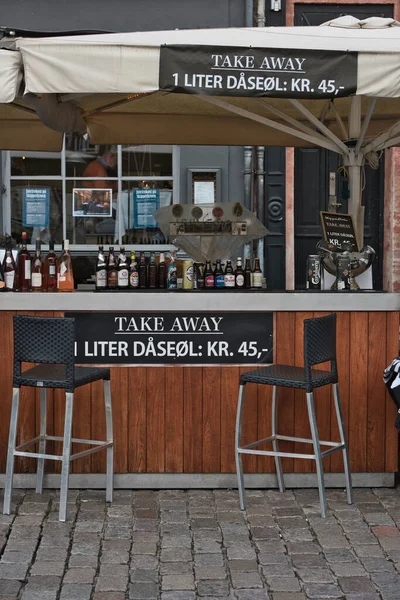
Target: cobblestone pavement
{"x": 176, "y": 545}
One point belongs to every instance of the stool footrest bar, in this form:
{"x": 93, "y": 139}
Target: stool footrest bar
{"x": 37, "y": 455}
{"x": 327, "y": 452}
{"x": 272, "y": 453}
{"x": 91, "y": 450}
{"x": 28, "y": 443}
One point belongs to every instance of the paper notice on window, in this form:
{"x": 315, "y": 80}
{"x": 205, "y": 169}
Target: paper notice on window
{"x": 204, "y": 192}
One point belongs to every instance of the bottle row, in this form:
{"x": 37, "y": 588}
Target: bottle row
{"x": 33, "y": 273}
{"x": 124, "y": 273}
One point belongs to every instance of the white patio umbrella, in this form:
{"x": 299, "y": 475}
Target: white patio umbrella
{"x": 335, "y": 86}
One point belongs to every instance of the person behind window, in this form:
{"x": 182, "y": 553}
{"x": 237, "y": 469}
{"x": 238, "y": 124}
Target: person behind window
{"x": 104, "y": 166}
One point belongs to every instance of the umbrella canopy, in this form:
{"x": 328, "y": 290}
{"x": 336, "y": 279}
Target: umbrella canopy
{"x": 335, "y": 86}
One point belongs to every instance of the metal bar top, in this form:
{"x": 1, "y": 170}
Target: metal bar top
{"x": 203, "y": 300}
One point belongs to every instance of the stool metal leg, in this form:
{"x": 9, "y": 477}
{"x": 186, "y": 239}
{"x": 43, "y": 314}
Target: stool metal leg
{"x": 110, "y": 449}
{"x": 238, "y": 456}
{"x": 11, "y": 448}
{"x": 42, "y": 442}
{"x": 69, "y": 405}
{"x": 275, "y": 445}
{"x": 317, "y": 452}
{"x": 343, "y": 440}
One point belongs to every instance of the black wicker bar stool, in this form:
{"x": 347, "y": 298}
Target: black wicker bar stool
{"x": 319, "y": 347}
{"x": 50, "y": 342}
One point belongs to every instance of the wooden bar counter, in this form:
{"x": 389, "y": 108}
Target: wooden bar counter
{"x": 174, "y": 425}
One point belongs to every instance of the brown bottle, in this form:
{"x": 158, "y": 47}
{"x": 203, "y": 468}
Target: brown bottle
{"x": 142, "y": 271}
{"x": 9, "y": 267}
{"x": 24, "y": 266}
{"x": 37, "y": 269}
{"x": 50, "y": 269}
{"x": 152, "y": 272}
{"x": 112, "y": 273}
{"x": 247, "y": 274}
{"x": 257, "y": 275}
{"x": 162, "y": 272}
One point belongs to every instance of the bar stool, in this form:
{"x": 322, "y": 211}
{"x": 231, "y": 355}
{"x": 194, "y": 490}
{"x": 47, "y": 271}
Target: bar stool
{"x": 50, "y": 342}
{"x": 319, "y": 347}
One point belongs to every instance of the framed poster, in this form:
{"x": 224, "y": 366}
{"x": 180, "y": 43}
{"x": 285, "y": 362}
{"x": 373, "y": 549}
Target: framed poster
{"x": 204, "y": 185}
{"x": 92, "y": 202}
{"x": 145, "y": 202}
{"x": 338, "y": 228}
{"x": 36, "y": 207}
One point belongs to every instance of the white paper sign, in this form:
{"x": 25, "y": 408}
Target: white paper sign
{"x": 204, "y": 192}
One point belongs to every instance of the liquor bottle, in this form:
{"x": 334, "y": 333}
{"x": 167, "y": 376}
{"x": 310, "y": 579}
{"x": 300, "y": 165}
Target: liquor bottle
{"x": 112, "y": 273}
{"x": 162, "y": 271}
{"x": 142, "y": 271}
{"x": 50, "y": 269}
{"x": 257, "y": 275}
{"x": 248, "y": 276}
{"x": 239, "y": 273}
{"x": 172, "y": 280}
{"x": 24, "y": 266}
{"x": 152, "y": 272}
{"x": 2, "y": 282}
{"x": 229, "y": 275}
{"x": 209, "y": 278}
{"x": 101, "y": 270}
{"x": 122, "y": 270}
{"x": 65, "y": 273}
{"x": 219, "y": 275}
{"x": 9, "y": 267}
{"x": 200, "y": 276}
{"x": 133, "y": 272}
{"x": 37, "y": 269}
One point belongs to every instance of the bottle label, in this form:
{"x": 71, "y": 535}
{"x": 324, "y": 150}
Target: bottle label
{"x": 123, "y": 278}
{"x": 27, "y": 269}
{"x": 134, "y": 279}
{"x": 239, "y": 280}
{"x": 219, "y": 281}
{"x": 9, "y": 279}
{"x": 257, "y": 280}
{"x": 101, "y": 278}
{"x": 209, "y": 281}
{"x": 112, "y": 278}
{"x": 36, "y": 280}
{"x": 63, "y": 268}
{"x": 52, "y": 270}
{"x": 229, "y": 280}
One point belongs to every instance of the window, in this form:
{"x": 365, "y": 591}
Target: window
{"x": 88, "y": 194}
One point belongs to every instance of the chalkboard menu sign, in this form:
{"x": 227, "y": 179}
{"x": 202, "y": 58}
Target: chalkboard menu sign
{"x": 339, "y": 229}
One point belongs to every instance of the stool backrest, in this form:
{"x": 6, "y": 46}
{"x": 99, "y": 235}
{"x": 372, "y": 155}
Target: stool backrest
{"x": 44, "y": 340}
{"x": 320, "y": 343}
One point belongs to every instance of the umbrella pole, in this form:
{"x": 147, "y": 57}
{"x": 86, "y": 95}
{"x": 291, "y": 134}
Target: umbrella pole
{"x": 354, "y": 162}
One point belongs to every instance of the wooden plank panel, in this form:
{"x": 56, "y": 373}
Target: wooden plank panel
{"x": 323, "y": 398}
{"x": 376, "y": 392}
{"x": 302, "y": 426}
{"x": 155, "y": 419}
{"x": 343, "y": 363}
{"x": 81, "y": 427}
{"x": 193, "y": 419}
{"x": 6, "y": 377}
{"x": 137, "y": 398}
{"x": 391, "y": 433}
{"x": 358, "y": 359}
{"x": 98, "y": 423}
{"x": 211, "y": 422}
{"x": 285, "y": 355}
{"x": 229, "y": 390}
{"x": 249, "y": 422}
{"x": 174, "y": 419}
{"x": 119, "y": 392}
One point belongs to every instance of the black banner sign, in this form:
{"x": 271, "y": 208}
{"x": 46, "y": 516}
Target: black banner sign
{"x": 339, "y": 229}
{"x": 173, "y": 338}
{"x": 237, "y": 71}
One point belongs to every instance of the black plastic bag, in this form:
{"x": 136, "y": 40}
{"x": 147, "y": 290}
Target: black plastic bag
{"x": 391, "y": 378}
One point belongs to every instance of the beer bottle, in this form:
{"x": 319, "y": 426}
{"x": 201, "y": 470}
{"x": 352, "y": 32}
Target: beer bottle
{"x": 142, "y": 271}
{"x": 37, "y": 269}
{"x": 2, "y": 282}
{"x": 24, "y": 266}
{"x": 162, "y": 271}
{"x": 172, "y": 282}
{"x": 209, "y": 278}
{"x": 122, "y": 270}
{"x": 112, "y": 273}
{"x": 219, "y": 275}
{"x": 50, "y": 269}
{"x": 229, "y": 275}
{"x": 9, "y": 267}
{"x": 247, "y": 274}
{"x": 239, "y": 274}
{"x": 257, "y": 275}
{"x": 200, "y": 276}
{"x": 152, "y": 272}
{"x": 133, "y": 272}
{"x": 101, "y": 270}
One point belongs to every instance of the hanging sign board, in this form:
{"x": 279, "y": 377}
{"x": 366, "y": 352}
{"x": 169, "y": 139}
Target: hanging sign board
{"x": 36, "y": 207}
{"x": 238, "y": 71}
{"x": 173, "y": 338}
{"x": 145, "y": 202}
{"x": 338, "y": 229}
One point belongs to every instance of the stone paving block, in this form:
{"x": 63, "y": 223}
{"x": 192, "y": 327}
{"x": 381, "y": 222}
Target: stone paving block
{"x": 9, "y": 587}
{"x": 339, "y": 555}
{"x": 362, "y": 597}
{"x": 143, "y": 591}
{"x": 241, "y": 552}
{"x": 178, "y": 595}
{"x": 303, "y": 547}
{"x": 31, "y": 594}
{"x": 48, "y": 567}
{"x": 177, "y": 541}
{"x": 288, "y": 596}
{"x": 111, "y": 557}
{"x": 378, "y": 519}
{"x": 173, "y": 568}
{"x": 43, "y": 583}
{"x": 315, "y": 575}
{"x": 375, "y": 565}
{"x": 297, "y": 535}
{"x": 241, "y": 565}
{"x": 243, "y": 580}
{"x": 308, "y": 561}
{"x": 111, "y": 584}
{"x": 109, "y": 596}
{"x": 212, "y": 587}
{"x": 79, "y": 560}
{"x": 319, "y": 591}
{"x": 251, "y": 594}
{"x": 176, "y": 554}
{"x": 292, "y": 522}
{"x": 17, "y": 557}
{"x": 211, "y": 573}
{"x": 369, "y": 551}
{"x": 177, "y": 582}
{"x": 352, "y": 569}
{"x": 385, "y": 579}
{"x": 13, "y": 571}
{"x": 144, "y": 562}
{"x": 76, "y": 591}
{"x": 283, "y": 584}
{"x": 266, "y": 558}
{"x": 356, "y": 585}
{"x": 52, "y": 554}
{"x": 79, "y": 575}
{"x": 145, "y": 548}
